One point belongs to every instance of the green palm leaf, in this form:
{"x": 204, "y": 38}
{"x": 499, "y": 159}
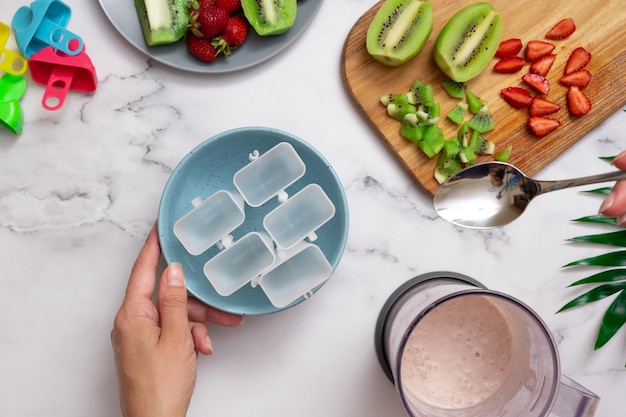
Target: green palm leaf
{"x": 612, "y": 275}
{"x": 609, "y": 259}
{"x": 613, "y": 320}
{"x": 597, "y": 218}
{"x": 613, "y": 238}
{"x": 595, "y": 294}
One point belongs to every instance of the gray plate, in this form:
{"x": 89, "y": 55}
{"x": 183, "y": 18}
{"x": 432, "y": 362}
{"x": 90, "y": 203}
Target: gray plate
{"x": 256, "y": 49}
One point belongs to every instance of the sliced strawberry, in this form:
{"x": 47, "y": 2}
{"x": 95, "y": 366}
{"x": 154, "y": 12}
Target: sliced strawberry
{"x": 580, "y": 79}
{"x": 541, "y": 125}
{"x": 538, "y": 82}
{"x": 509, "y": 65}
{"x": 542, "y": 65}
{"x": 577, "y": 60}
{"x": 509, "y": 48}
{"x": 537, "y": 49}
{"x": 577, "y": 101}
{"x": 541, "y": 107}
{"x": 562, "y": 29}
{"x": 517, "y": 97}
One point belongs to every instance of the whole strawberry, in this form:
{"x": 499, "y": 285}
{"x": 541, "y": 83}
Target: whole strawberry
{"x": 236, "y": 31}
{"x": 231, "y": 6}
{"x": 207, "y": 20}
{"x": 202, "y": 48}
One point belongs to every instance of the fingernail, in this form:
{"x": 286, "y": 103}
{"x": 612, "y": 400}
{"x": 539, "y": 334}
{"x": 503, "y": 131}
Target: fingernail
{"x": 608, "y": 202}
{"x": 621, "y": 221}
{"x": 209, "y": 344}
{"x": 175, "y": 276}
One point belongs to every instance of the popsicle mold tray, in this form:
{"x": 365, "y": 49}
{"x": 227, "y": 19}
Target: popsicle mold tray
{"x": 282, "y": 258}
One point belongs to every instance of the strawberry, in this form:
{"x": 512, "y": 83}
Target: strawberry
{"x": 541, "y": 107}
{"x": 509, "y": 65}
{"x": 577, "y": 102}
{"x": 541, "y": 125}
{"x": 537, "y": 82}
{"x": 580, "y": 79}
{"x": 509, "y": 48}
{"x": 207, "y": 20}
{"x": 230, "y": 6}
{"x": 542, "y": 65}
{"x": 517, "y": 97}
{"x": 537, "y": 49}
{"x": 236, "y": 31}
{"x": 577, "y": 60}
{"x": 562, "y": 29}
{"x": 201, "y": 48}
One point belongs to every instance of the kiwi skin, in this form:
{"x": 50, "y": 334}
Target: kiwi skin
{"x": 399, "y": 31}
{"x": 468, "y": 41}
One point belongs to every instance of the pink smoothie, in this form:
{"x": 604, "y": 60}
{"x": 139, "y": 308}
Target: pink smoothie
{"x": 459, "y": 354}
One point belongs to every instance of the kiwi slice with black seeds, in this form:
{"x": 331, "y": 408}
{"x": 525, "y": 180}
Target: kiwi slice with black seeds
{"x": 270, "y": 17}
{"x": 162, "y": 21}
{"x": 468, "y": 41}
{"x": 399, "y": 31}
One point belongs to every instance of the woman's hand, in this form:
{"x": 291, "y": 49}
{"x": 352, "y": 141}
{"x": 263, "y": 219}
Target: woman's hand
{"x": 155, "y": 345}
{"x": 614, "y": 205}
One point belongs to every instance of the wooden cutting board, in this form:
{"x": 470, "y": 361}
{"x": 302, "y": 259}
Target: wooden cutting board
{"x": 600, "y": 29}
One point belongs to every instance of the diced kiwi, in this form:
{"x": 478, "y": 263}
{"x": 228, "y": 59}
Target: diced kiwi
{"x": 412, "y": 128}
{"x": 270, "y": 17}
{"x": 398, "y": 111}
{"x": 468, "y": 41}
{"x": 399, "y": 30}
{"x": 421, "y": 94}
{"x": 481, "y": 145}
{"x": 445, "y": 168}
{"x": 457, "y": 114}
{"x": 482, "y": 120}
{"x": 399, "y": 98}
{"x": 463, "y": 134}
{"x": 162, "y": 21}
{"x": 432, "y": 142}
{"x": 451, "y": 148}
{"x": 504, "y": 154}
{"x": 454, "y": 89}
{"x": 474, "y": 102}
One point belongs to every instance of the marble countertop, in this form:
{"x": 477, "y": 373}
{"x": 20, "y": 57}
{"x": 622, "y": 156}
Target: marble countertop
{"x": 80, "y": 188}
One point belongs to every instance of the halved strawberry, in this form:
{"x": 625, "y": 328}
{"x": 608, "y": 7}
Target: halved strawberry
{"x": 577, "y": 60}
{"x": 509, "y": 48}
{"x": 577, "y": 101}
{"x": 562, "y": 29}
{"x": 517, "y": 97}
{"x": 541, "y": 125}
{"x": 542, "y": 65}
{"x": 580, "y": 79}
{"x": 509, "y": 65}
{"x": 538, "y": 82}
{"x": 537, "y": 49}
{"x": 541, "y": 107}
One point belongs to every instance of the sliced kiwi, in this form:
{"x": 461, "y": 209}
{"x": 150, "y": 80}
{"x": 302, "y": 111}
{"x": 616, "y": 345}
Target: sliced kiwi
{"x": 451, "y": 148}
{"x": 454, "y": 89}
{"x": 399, "y": 98}
{"x": 412, "y": 128}
{"x": 398, "y": 111}
{"x": 399, "y": 30}
{"x": 270, "y": 17}
{"x": 457, "y": 114}
{"x": 162, "y": 21}
{"x": 480, "y": 144}
{"x": 468, "y": 41}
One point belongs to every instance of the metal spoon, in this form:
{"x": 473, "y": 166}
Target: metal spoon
{"x": 493, "y": 194}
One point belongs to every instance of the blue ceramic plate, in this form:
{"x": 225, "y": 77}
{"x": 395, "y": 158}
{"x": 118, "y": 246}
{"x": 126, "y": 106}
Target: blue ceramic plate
{"x": 210, "y": 167}
{"x": 256, "y": 49}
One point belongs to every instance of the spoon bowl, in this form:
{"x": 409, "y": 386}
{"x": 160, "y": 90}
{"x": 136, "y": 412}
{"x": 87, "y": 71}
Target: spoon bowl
{"x": 493, "y": 194}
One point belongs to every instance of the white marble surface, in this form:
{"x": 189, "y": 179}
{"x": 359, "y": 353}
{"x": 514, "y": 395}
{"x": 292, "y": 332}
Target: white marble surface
{"x": 80, "y": 188}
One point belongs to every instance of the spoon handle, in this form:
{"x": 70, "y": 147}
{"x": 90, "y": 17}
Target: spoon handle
{"x": 547, "y": 186}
